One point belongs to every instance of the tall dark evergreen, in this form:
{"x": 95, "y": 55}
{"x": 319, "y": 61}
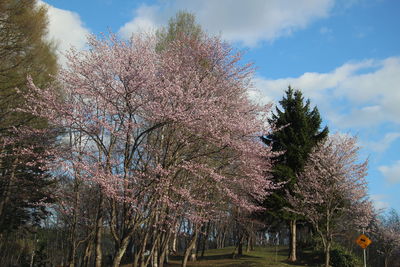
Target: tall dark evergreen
{"x": 25, "y": 187}
{"x": 299, "y": 131}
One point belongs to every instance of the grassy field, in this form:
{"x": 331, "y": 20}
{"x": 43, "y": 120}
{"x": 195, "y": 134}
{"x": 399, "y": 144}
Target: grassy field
{"x": 262, "y": 256}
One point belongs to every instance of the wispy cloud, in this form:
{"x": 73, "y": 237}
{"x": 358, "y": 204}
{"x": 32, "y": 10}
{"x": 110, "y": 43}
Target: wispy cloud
{"x": 379, "y": 202}
{"x": 391, "y": 172}
{"x": 384, "y": 143}
{"x": 356, "y": 94}
{"x": 247, "y": 22}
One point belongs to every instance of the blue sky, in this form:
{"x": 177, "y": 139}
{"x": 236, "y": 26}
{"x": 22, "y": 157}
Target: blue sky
{"x": 343, "y": 54}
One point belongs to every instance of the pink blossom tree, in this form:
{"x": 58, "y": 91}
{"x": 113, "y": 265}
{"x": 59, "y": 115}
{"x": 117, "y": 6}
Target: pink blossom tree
{"x": 169, "y": 134}
{"x": 386, "y": 234}
{"x": 333, "y": 189}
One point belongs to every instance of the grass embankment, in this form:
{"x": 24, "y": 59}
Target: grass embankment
{"x": 261, "y": 256}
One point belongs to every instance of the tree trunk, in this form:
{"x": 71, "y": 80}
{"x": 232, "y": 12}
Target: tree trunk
{"x": 98, "y": 235}
{"x": 174, "y": 242}
{"x": 5, "y": 198}
{"x": 142, "y": 250}
{"x": 189, "y": 249}
{"x": 164, "y": 248}
{"x": 205, "y": 239}
{"x": 240, "y": 245}
{"x": 292, "y": 255}
{"x": 163, "y": 256}
{"x": 223, "y": 239}
{"x": 88, "y": 253}
{"x": 193, "y": 254}
{"x": 120, "y": 252}
{"x": 252, "y": 240}
{"x": 327, "y": 253}
{"x": 248, "y": 243}
{"x": 155, "y": 253}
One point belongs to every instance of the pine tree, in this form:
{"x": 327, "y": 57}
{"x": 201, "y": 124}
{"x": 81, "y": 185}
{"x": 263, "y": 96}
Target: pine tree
{"x": 299, "y": 131}
{"x": 24, "y": 51}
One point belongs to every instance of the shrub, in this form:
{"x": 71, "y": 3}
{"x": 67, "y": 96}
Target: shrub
{"x": 342, "y": 258}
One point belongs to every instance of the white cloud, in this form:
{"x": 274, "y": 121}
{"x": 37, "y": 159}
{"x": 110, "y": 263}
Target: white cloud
{"x": 356, "y": 94}
{"x": 391, "y": 172}
{"x": 145, "y": 20}
{"x": 247, "y": 22}
{"x": 65, "y": 28}
{"x": 378, "y": 201}
{"x": 384, "y": 143}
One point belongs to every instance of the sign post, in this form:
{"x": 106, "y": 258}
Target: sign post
{"x": 363, "y": 241}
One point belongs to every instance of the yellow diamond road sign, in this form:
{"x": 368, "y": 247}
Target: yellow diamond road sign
{"x": 363, "y": 241}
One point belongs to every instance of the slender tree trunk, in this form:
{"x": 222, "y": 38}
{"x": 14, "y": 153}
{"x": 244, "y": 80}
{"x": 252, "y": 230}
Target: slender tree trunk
{"x": 33, "y": 257}
{"x": 73, "y": 234}
{"x": 120, "y": 252}
{"x": 174, "y": 242}
{"x": 193, "y": 255}
{"x": 223, "y": 239}
{"x": 72, "y": 254}
{"x": 248, "y": 242}
{"x": 327, "y": 253}
{"x": 164, "y": 248}
{"x": 163, "y": 254}
{"x": 252, "y": 241}
{"x": 88, "y": 253}
{"x": 150, "y": 257}
{"x": 98, "y": 234}
{"x": 188, "y": 250}
{"x": 205, "y": 239}
{"x": 4, "y": 199}
{"x": 142, "y": 250}
{"x": 292, "y": 255}
{"x": 240, "y": 244}
{"x": 155, "y": 253}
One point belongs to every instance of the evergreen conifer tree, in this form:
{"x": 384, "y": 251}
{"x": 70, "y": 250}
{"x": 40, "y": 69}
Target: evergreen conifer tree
{"x": 24, "y": 50}
{"x": 299, "y": 130}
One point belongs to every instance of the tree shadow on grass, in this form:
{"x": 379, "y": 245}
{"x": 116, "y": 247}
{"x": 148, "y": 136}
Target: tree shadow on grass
{"x": 218, "y": 260}
{"x": 308, "y": 258}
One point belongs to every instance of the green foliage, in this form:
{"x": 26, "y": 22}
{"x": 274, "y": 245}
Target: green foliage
{"x": 342, "y": 258}
{"x": 298, "y": 131}
{"x": 24, "y": 51}
{"x": 184, "y": 24}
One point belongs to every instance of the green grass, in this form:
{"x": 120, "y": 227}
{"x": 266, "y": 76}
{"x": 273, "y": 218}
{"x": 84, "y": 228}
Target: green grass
{"x": 261, "y": 256}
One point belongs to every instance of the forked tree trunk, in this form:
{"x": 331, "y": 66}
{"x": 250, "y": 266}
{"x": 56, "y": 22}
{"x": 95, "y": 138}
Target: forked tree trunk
{"x": 88, "y": 253}
{"x": 120, "y": 252}
{"x": 188, "y": 250}
{"x": 292, "y": 255}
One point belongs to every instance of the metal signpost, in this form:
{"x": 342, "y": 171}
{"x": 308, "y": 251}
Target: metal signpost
{"x": 363, "y": 241}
